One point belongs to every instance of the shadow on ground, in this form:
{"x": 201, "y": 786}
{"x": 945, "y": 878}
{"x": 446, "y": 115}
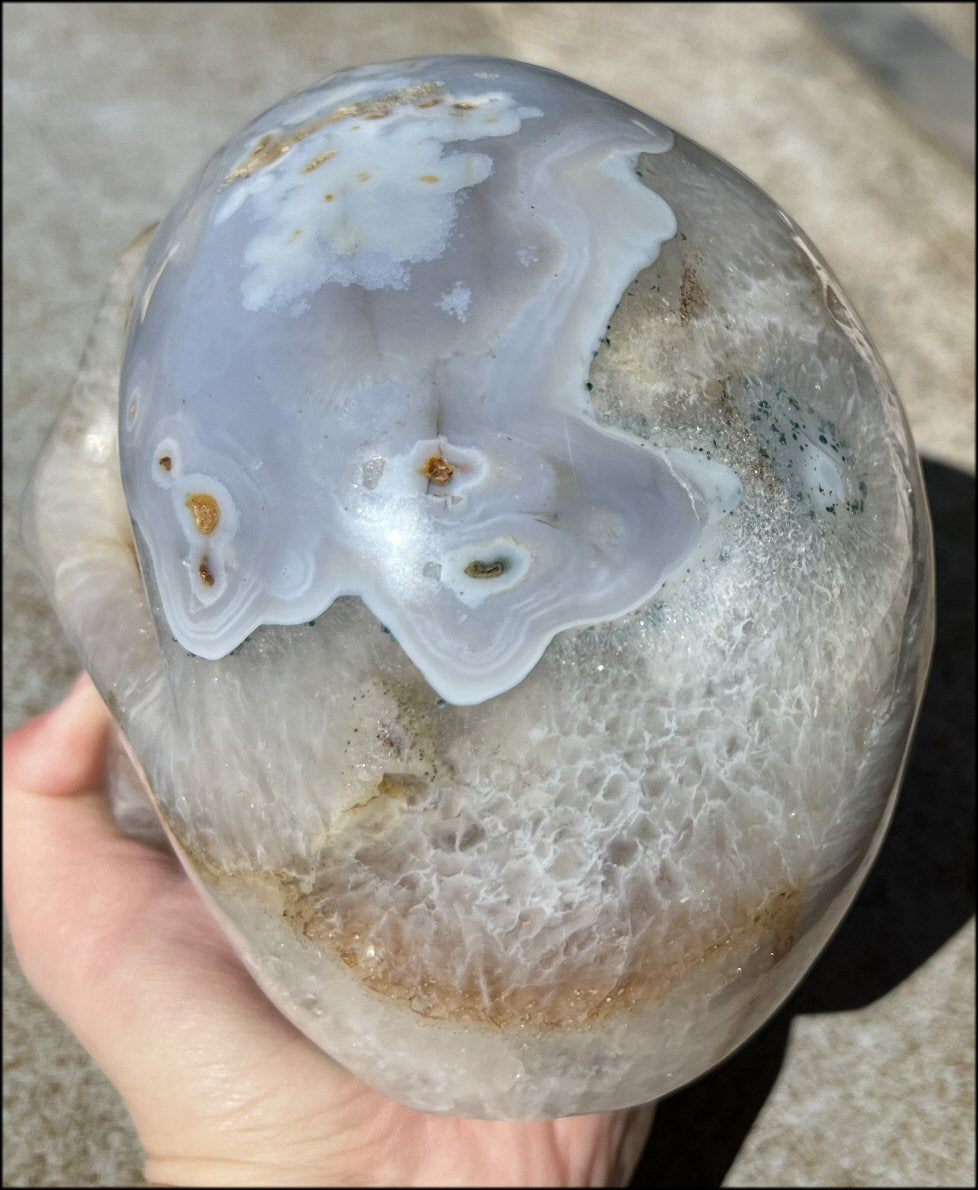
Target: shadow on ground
{"x": 919, "y": 893}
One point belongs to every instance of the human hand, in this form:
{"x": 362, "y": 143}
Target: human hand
{"x": 222, "y": 1090}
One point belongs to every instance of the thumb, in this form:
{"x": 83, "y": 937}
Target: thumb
{"x": 61, "y": 751}
{"x": 73, "y": 882}
{"x": 108, "y": 930}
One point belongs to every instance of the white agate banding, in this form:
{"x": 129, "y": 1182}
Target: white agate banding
{"x": 291, "y": 341}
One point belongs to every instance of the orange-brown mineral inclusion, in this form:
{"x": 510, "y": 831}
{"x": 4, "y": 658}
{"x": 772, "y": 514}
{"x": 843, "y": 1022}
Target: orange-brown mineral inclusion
{"x": 438, "y": 470}
{"x": 206, "y": 511}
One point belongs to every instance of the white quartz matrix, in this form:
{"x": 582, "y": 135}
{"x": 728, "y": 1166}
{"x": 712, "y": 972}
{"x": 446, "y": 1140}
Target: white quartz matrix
{"x": 506, "y": 560}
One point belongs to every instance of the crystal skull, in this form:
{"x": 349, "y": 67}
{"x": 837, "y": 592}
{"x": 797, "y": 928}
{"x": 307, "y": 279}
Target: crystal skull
{"x": 506, "y": 560}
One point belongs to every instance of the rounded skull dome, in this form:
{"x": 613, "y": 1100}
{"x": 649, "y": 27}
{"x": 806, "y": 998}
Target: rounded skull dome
{"x": 537, "y": 583}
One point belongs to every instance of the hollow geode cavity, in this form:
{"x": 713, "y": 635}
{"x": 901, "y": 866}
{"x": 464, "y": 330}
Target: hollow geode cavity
{"x": 516, "y": 591}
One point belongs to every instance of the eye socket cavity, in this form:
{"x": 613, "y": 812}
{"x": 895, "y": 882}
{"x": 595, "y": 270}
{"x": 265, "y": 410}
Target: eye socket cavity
{"x": 477, "y": 572}
{"x": 207, "y": 519}
{"x": 167, "y": 463}
{"x": 448, "y": 471}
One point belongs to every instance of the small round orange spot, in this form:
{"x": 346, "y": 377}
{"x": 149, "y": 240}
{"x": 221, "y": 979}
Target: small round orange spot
{"x": 327, "y": 198}
{"x": 166, "y": 462}
{"x": 204, "y": 571}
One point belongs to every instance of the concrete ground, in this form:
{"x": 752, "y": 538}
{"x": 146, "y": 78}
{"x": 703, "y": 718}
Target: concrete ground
{"x": 866, "y": 1078}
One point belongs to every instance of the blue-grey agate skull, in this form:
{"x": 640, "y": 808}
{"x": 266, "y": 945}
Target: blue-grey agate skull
{"x": 506, "y": 560}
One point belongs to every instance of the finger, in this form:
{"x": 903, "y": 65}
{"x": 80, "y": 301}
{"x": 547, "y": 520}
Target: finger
{"x": 83, "y": 900}
{"x": 69, "y": 873}
{"x": 108, "y": 930}
{"x": 62, "y": 751}
{"x": 115, "y": 938}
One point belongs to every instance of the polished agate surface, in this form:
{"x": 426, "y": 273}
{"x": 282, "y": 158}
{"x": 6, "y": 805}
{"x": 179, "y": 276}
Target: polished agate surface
{"x": 507, "y": 562}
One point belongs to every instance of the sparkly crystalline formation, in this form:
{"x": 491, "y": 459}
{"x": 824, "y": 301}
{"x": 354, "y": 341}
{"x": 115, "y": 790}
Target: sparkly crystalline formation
{"x": 533, "y": 593}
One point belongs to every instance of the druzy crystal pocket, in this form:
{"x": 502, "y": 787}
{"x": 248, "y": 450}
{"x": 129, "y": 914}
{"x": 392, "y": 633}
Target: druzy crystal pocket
{"x": 516, "y": 596}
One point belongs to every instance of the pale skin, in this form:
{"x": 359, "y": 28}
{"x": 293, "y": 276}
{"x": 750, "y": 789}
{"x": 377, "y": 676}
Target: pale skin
{"x": 222, "y": 1090}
